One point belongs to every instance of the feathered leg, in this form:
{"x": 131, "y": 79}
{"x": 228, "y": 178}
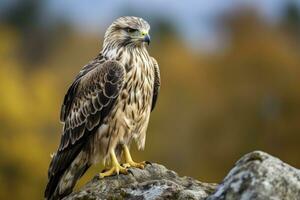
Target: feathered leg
{"x": 129, "y": 162}
{"x": 116, "y": 168}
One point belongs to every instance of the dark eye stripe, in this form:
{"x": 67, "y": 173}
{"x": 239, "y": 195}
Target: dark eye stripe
{"x": 130, "y": 30}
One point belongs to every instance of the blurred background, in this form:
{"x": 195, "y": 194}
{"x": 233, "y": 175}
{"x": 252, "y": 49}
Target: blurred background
{"x": 230, "y": 82}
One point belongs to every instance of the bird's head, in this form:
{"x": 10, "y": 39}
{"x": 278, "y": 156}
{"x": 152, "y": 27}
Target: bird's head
{"x": 127, "y": 31}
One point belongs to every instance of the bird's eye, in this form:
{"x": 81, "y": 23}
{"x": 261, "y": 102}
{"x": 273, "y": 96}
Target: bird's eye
{"x": 131, "y": 30}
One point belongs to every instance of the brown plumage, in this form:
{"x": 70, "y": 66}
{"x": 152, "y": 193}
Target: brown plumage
{"x": 107, "y": 107}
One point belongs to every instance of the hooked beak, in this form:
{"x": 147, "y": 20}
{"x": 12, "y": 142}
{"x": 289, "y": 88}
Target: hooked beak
{"x": 147, "y": 39}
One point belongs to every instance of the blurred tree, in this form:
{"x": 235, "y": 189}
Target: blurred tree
{"x": 37, "y": 40}
{"x": 291, "y": 15}
{"x": 22, "y": 14}
{"x": 255, "y": 83}
{"x": 291, "y": 22}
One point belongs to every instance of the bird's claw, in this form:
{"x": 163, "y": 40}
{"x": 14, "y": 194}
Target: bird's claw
{"x": 104, "y": 170}
{"x": 148, "y": 163}
{"x": 140, "y": 165}
{"x": 117, "y": 169}
{"x": 130, "y": 172}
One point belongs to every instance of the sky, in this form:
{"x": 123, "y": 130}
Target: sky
{"x": 192, "y": 18}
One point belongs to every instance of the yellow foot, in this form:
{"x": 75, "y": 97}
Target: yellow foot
{"x": 131, "y": 163}
{"x": 117, "y": 169}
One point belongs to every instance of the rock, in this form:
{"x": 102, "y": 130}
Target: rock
{"x": 259, "y": 176}
{"x": 155, "y": 182}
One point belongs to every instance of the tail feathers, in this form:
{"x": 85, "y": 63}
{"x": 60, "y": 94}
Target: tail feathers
{"x": 62, "y": 183}
{"x": 51, "y": 191}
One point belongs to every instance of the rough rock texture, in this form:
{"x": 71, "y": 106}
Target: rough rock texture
{"x": 155, "y": 182}
{"x": 257, "y": 176}
{"x": 260, "y": 176}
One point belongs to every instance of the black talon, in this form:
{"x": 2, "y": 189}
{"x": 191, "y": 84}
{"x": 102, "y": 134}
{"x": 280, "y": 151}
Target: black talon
{"x": 104, "y": 170}
{"x": 148, "y": 163}
{"x": 130, "y": 172}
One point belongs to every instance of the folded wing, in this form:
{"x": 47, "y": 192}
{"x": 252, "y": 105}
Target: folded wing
{"x": 88, "y": 101}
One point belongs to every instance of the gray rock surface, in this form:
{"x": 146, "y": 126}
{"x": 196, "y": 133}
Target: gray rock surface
{"x": 257, "y": 176}
{"x": 155, "y": 182}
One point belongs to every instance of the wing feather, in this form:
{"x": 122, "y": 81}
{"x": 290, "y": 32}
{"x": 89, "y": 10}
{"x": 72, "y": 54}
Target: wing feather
{"x": 156, "y": 83}
{"x": 88, "y": 101}
{"x": 95, "y": 90}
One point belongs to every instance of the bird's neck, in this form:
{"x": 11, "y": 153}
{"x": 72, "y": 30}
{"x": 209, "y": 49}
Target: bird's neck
{"x": 120, "y": 52}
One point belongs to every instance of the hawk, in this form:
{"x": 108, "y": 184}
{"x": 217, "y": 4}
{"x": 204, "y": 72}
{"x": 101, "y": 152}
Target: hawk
{"x": 106, "y": 108}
